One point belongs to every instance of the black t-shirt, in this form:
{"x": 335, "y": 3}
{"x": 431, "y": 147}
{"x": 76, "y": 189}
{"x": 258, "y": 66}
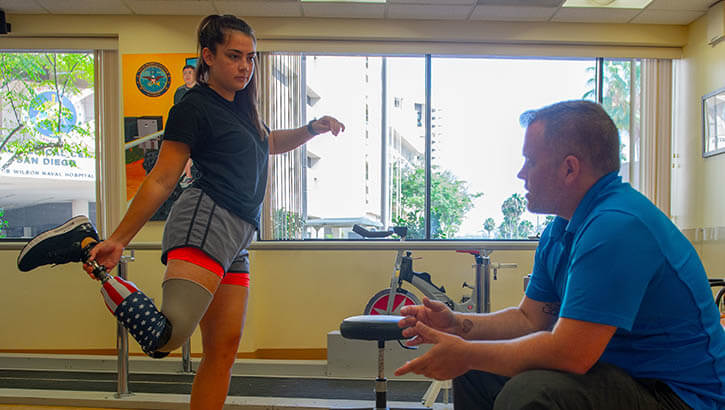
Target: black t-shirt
{"x": 226, "y": 147}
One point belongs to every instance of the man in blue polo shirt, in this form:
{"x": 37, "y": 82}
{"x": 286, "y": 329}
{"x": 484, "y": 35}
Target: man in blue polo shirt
{"x": 618, "y": 313}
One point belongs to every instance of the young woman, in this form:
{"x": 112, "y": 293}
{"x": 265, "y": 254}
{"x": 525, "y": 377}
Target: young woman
{"x": 206, "y": 281}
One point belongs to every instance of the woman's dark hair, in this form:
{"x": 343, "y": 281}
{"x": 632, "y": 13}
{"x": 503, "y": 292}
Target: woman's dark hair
{"x": 214, "y": 30}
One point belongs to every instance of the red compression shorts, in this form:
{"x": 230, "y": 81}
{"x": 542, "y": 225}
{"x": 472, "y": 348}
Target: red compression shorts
{"x": 201, "y": 259}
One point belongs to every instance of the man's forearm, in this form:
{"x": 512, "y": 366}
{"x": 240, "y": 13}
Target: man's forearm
{"x": 572, "y": 346}
{"x": 511, "y": 357}
{"x": 504, "y": 324}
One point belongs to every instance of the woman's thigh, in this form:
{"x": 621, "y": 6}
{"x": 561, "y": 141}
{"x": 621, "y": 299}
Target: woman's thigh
{"x": 221, "y": 326}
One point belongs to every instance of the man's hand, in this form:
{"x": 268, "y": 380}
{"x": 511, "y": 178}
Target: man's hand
{"x": 432, "y": 313}
{"x": 444, "y": 361}
{"x": 326, "y": 124}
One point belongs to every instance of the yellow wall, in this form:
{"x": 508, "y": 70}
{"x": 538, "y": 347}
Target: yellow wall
{"x": 297, "y": 296}
{"x": 698, "y": 193}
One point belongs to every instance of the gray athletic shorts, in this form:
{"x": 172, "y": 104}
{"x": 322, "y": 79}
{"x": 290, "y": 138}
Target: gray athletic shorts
{"x": 197, "y": 221}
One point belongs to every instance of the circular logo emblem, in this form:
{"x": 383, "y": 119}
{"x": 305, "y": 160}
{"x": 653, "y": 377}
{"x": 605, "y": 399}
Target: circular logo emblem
{"x": 153, "y": 79}
{"x": 49, "y": 122}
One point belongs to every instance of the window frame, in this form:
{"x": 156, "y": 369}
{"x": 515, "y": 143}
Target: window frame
{"x": 108, "y": 143}
{"x": 427, "y": 80}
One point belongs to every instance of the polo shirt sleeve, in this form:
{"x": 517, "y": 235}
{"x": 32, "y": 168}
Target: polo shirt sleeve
{"x": 613, "y": 261}
{"x": 184, "y": 124}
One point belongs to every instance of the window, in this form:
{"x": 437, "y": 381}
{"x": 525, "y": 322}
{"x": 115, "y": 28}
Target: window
{"x": 47, "y": 140}
{"x": 621, "y": 98}
{"x": 441, "y": 160}
{"x": 339, "y": 191}
{"x": 477, "y": 140}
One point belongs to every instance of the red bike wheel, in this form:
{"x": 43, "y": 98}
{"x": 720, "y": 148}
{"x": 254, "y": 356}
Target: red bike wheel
{"x": 378, "y": 304}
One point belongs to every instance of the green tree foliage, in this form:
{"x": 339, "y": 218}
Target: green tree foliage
{"x": 617, "y": 97}
{"x": 450, "y": 201}
{"x": 489, "y": 225}
{"x": 287, "y": 225}
{"x": 23, "y": 77}
{"x": 3, "y": 223}
{"x": 512, "y": 208}
{"x": 525, "y": 229}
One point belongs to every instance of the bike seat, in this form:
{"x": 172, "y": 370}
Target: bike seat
{"x": 372, "y": 327}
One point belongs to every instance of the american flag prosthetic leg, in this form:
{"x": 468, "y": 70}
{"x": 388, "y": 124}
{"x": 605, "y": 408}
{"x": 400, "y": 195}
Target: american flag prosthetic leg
{"x": 137, "y": 313}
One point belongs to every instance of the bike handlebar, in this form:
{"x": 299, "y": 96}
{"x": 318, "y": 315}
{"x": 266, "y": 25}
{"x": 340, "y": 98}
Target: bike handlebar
{"x": 402, "y": 231}
{"x": 473, "y": 252}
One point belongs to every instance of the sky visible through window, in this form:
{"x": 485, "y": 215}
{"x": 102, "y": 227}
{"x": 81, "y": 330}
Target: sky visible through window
{"x": 480, "y": 140}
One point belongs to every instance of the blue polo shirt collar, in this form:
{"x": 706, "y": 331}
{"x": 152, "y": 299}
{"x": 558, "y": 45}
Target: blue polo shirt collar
{"x": 587, "y": 203}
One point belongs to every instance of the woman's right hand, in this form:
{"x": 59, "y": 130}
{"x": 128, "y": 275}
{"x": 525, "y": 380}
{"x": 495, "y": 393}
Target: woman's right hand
{"x": 107, "y": 253}
{"x": 431, "y": 313}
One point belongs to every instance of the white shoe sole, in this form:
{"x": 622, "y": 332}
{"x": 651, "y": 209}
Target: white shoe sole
{"x": 68, "y": 226}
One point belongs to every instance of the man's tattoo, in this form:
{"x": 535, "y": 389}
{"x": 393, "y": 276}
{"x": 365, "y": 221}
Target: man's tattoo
{"x": 466, "y": 326}
{"x": 551, "y": 309}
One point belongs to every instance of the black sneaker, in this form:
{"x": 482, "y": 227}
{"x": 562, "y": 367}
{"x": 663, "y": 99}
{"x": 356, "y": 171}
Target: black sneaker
{"x": 58, "y": 245}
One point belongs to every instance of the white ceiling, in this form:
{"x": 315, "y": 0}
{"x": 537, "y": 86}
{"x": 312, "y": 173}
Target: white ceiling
{"x": 657, "y": 12}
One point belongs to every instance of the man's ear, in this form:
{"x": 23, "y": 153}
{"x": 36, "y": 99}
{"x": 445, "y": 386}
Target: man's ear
{"x": 571, "y": 168}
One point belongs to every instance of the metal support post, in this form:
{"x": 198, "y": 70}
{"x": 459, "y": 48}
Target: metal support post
{"x": 381, "y": 383}
{"x": 186, "y": 357}
{"x": 122, "y": 337}
{"x": 483, "y": 282}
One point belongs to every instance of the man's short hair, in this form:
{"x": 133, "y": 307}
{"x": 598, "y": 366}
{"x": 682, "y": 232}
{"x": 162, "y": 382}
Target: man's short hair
{"x": 188, "y": 66}
{"x": 580, "y": 128}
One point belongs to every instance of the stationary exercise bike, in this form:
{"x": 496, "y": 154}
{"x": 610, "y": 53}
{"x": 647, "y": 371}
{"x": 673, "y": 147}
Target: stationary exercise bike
{"x": 389, "y": 301}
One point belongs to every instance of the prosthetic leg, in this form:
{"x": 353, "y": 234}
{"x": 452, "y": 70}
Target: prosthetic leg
{"x": 134, "y": 310}
{"x": 186, "y": 301}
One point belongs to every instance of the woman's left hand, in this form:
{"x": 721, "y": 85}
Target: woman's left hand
{"x": 326, "y": 124}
